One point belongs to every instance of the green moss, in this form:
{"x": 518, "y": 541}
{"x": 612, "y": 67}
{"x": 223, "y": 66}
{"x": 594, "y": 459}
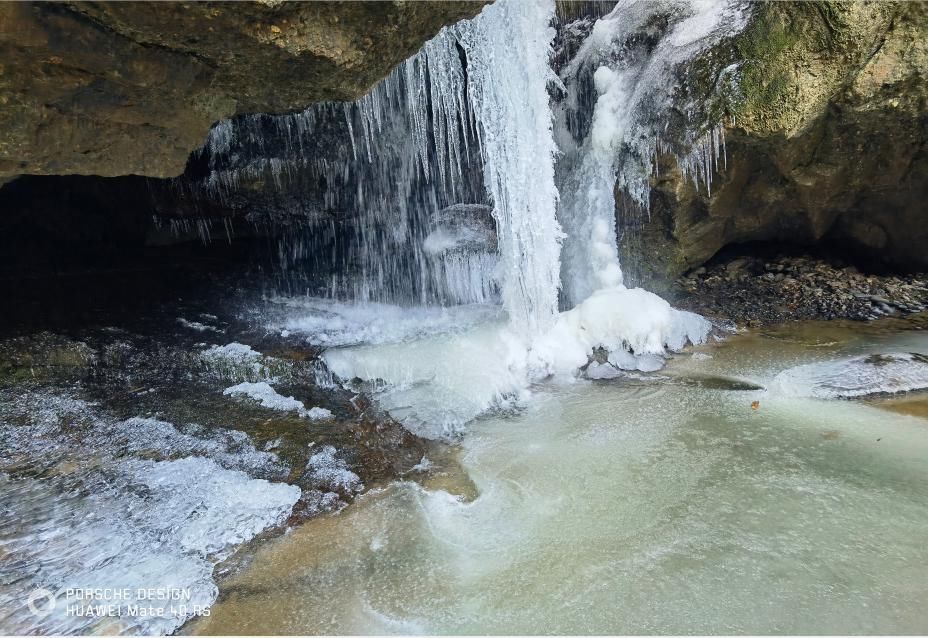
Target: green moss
{"x": 779, "y": 36}
{"x": 764, "y": 81}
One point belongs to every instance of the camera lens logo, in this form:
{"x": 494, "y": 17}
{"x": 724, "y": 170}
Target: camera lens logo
{"x": 41, "y": 602}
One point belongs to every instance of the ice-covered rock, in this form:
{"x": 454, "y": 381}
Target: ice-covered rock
{"x": 142, "y": 524}
{"x": 236, "y": 361}
{"x": 197, "y": 325}
{"x": 319, "y": 414}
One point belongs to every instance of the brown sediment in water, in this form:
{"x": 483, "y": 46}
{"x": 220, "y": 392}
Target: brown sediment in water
{"x": 915, "y": 404}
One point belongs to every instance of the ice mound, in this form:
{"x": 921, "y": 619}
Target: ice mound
{"x": 435, "y": 385}
{"x": 856, "y": 377}
{"x": 603, "y": 372}
{"x": 635, "y": 326}
{"x": 267, "y": 396}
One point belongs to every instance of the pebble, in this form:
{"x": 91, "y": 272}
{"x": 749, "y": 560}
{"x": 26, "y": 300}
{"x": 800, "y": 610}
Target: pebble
{"x": 752, "y": 291}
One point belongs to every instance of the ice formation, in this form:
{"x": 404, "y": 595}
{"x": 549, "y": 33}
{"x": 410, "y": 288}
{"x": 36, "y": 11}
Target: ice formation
{"x": 437, "y": 383}
{"x": 437, "y": 374}
{"x": 433, "y": 136}
{"x": 329, "y": 472}
{"x": 366, "y": 181}
{"x": 446, "y": 197}
{"x": 333, "y": 323}
{"x": 267, "y": 396}
{"x": 508, "y": 46}
{"x": 122, "y": 511}
{"x": 154, "y": 524}
{"x": 856, "y": 377}
{"x": 614, "y": 111}
{"x": 197, "y": 325}
{"x": 456, "y": 205}
{"x": 235, "y": 361}
{"x": 633, "y": 325}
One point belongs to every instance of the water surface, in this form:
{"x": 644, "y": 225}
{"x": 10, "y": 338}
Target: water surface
{"x": 663, "y": 505}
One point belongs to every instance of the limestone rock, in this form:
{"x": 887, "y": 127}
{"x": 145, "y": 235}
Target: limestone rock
{"x": 118, "y": 88}
{"x": 827, "y": 125}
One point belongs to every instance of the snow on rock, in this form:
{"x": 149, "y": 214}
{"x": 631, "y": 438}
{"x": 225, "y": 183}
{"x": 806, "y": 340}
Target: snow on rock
{"x": 196, "y": 325}
{"x": 267, "y": 396}
{"x": 236, "y": 361}
{"x": 234, "y": 351}
{"x": 319, "y": 414}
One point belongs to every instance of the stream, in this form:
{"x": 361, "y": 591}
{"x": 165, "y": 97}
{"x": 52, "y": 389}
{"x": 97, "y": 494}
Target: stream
{"x": 663, "y": 504}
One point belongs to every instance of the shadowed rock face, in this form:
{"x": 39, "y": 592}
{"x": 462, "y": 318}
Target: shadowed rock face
{"x": 826, "y": 138}
{"x": 118, "y": 88}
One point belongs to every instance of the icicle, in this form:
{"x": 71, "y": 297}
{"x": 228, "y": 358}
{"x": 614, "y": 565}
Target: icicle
{"x": 508, "y": 47}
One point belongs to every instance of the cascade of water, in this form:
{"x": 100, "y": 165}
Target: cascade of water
{"x": 440, "y": 187}
{"x": 442, "y": 143}
{"x": 625, "y": 70}
{"x": 359, "y": 187}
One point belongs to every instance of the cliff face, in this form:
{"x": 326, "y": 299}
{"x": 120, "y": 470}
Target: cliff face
{"x": 827, "y": 125}
{"x": 118, "y": 88}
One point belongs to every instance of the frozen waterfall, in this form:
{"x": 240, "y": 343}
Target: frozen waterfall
{"x": 612, "y": 114}
{"x": 449, "y": 185}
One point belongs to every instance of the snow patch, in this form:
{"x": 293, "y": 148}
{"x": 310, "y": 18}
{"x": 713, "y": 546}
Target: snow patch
{"x": 236, "y": 361}
{"x": 196, "y": 325}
